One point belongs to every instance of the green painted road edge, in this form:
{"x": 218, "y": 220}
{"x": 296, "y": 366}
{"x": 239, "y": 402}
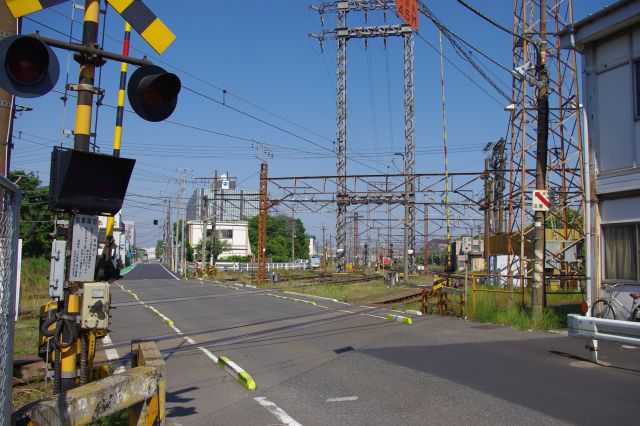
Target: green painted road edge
{"x": 400, "y": 318}
{"x": 128, "y": 269}
{"x": 241, "y": 376}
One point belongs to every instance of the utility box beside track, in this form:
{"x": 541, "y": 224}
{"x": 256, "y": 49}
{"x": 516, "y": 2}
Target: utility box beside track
{"x": 95, "y": 306}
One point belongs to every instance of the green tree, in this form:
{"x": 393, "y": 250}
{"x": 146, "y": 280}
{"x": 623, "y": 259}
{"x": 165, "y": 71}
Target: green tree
{"x": 279, "y": 238}
{"x": 35, "y": 216}
{"x": 219, "y": 248}
{"x": 159, "y": 249}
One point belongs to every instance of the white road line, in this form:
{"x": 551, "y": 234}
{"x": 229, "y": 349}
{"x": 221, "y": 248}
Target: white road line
{"x": 277, "y": 411}
{"x": 374, "y": 316}
{"x": 211, "y": 356}
{"x": 169, "y": 272}
{"x": 343, "y": 399}
{"x": 111, "y": 353}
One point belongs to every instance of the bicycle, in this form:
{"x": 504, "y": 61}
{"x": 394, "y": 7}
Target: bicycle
{"x": 612, "y": 308}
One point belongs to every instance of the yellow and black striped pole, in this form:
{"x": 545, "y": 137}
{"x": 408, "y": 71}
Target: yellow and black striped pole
{"x": 117, "y": 137}
{"x": 82, "y": 137}
{"x": 87, "y": 75}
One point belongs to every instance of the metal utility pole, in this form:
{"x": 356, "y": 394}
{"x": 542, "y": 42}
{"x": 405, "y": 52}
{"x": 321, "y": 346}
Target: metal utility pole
{"x": 205, "y": 214}
{"x": 262, "y": 225}
{"x": 184, "y": 221}
{"x": 538, "y": 301}
{"x": 293, "y": 234}
{"x": 356, "y": 241}
{"x": 409, "y": 154}
{"x": 341, "y": 140}
{"x": 487, "y": 209}
{"x": 425, "y": 254}
{"x": 214, "y": 217}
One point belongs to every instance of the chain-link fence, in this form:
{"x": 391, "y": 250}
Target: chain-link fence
{"x": 9, "y": 226}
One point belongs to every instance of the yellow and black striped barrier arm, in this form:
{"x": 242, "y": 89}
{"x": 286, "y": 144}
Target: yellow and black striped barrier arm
{"x": 20, "y": 8}
{"x": 145, "y": 22}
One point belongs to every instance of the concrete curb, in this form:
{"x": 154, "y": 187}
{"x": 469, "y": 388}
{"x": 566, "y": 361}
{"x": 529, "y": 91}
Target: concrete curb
{"x": 400, "y": 318}
{"x": 235, "y": 371}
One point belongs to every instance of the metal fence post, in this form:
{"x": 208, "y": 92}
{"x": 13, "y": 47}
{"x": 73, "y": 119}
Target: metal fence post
{"x": 9, "y": 230}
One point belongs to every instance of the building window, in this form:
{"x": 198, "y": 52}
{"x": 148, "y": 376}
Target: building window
{"x": 226, "y": 234}
{"x": 621, "y": 252}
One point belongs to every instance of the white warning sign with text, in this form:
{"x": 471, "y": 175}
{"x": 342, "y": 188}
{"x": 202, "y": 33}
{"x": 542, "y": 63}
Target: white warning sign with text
{"x": 84, "y": 248}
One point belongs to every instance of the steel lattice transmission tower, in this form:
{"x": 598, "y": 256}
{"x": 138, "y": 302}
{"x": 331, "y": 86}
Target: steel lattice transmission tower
{"x": 342, "y": 34}
{"x": 565, "y": 166}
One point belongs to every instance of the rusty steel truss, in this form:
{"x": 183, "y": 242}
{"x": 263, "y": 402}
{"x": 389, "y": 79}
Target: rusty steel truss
{"x": 378, "y": 206}
{"x": 512, "y": 193}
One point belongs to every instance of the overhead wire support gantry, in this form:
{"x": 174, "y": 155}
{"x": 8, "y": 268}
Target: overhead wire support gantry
{"x": 342, "y": 33}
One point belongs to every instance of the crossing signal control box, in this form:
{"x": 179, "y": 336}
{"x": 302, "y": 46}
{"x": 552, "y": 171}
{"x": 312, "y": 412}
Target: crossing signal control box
{"x": 95, "y": 306}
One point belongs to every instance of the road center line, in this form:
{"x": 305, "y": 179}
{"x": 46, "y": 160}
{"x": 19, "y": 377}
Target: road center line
{"x": 277, "y": 411}
{"x": 343, "y": 399}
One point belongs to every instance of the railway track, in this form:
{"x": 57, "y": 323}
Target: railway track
{"x": 401, "y": 299}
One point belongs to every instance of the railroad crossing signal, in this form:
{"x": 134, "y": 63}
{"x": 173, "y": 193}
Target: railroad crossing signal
{"x": 31, "y": 69}
{"x": 541, "y": 202}
{"x": 153, "y": 92}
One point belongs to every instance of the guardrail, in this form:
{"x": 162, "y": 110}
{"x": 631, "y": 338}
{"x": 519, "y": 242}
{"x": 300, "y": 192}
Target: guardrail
{"x": 595, "y": 329}
{"x": 141, "y": 390}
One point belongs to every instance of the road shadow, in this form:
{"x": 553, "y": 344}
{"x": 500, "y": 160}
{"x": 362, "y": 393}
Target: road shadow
{"x": 180, "y": 409}
{"x": 529, "y": 373}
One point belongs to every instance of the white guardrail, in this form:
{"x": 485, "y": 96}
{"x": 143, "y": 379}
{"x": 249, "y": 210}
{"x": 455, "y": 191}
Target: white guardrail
{"x": 595, "y": 329}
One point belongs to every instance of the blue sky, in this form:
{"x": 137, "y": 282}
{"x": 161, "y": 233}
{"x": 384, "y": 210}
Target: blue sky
{"x": 260, "y": 52}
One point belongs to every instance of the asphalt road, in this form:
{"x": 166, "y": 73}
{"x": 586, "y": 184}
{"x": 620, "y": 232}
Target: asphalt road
{"x": 337, "y": 364}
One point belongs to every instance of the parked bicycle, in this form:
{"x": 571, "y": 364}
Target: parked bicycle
{"x": 612, "y": 308}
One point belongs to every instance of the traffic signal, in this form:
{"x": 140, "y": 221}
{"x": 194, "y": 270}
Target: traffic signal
{"x": 29, "y": 67}
{"x": 153, "y": 92}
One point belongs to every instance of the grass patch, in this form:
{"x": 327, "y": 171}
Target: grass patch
{"x": 351, "y": 293}
{"x": 121, "y": 418}
{"x": 507, "y": 308}
{"x": 25, "y": 338}
{"x": 30, "y": 392}
{"x": 34, "y": 286}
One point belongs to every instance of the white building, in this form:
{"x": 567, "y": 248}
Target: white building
{"x": 235, "y": 233}
{"x": 312, "y": 245}
{"x": 609, "y": 41}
